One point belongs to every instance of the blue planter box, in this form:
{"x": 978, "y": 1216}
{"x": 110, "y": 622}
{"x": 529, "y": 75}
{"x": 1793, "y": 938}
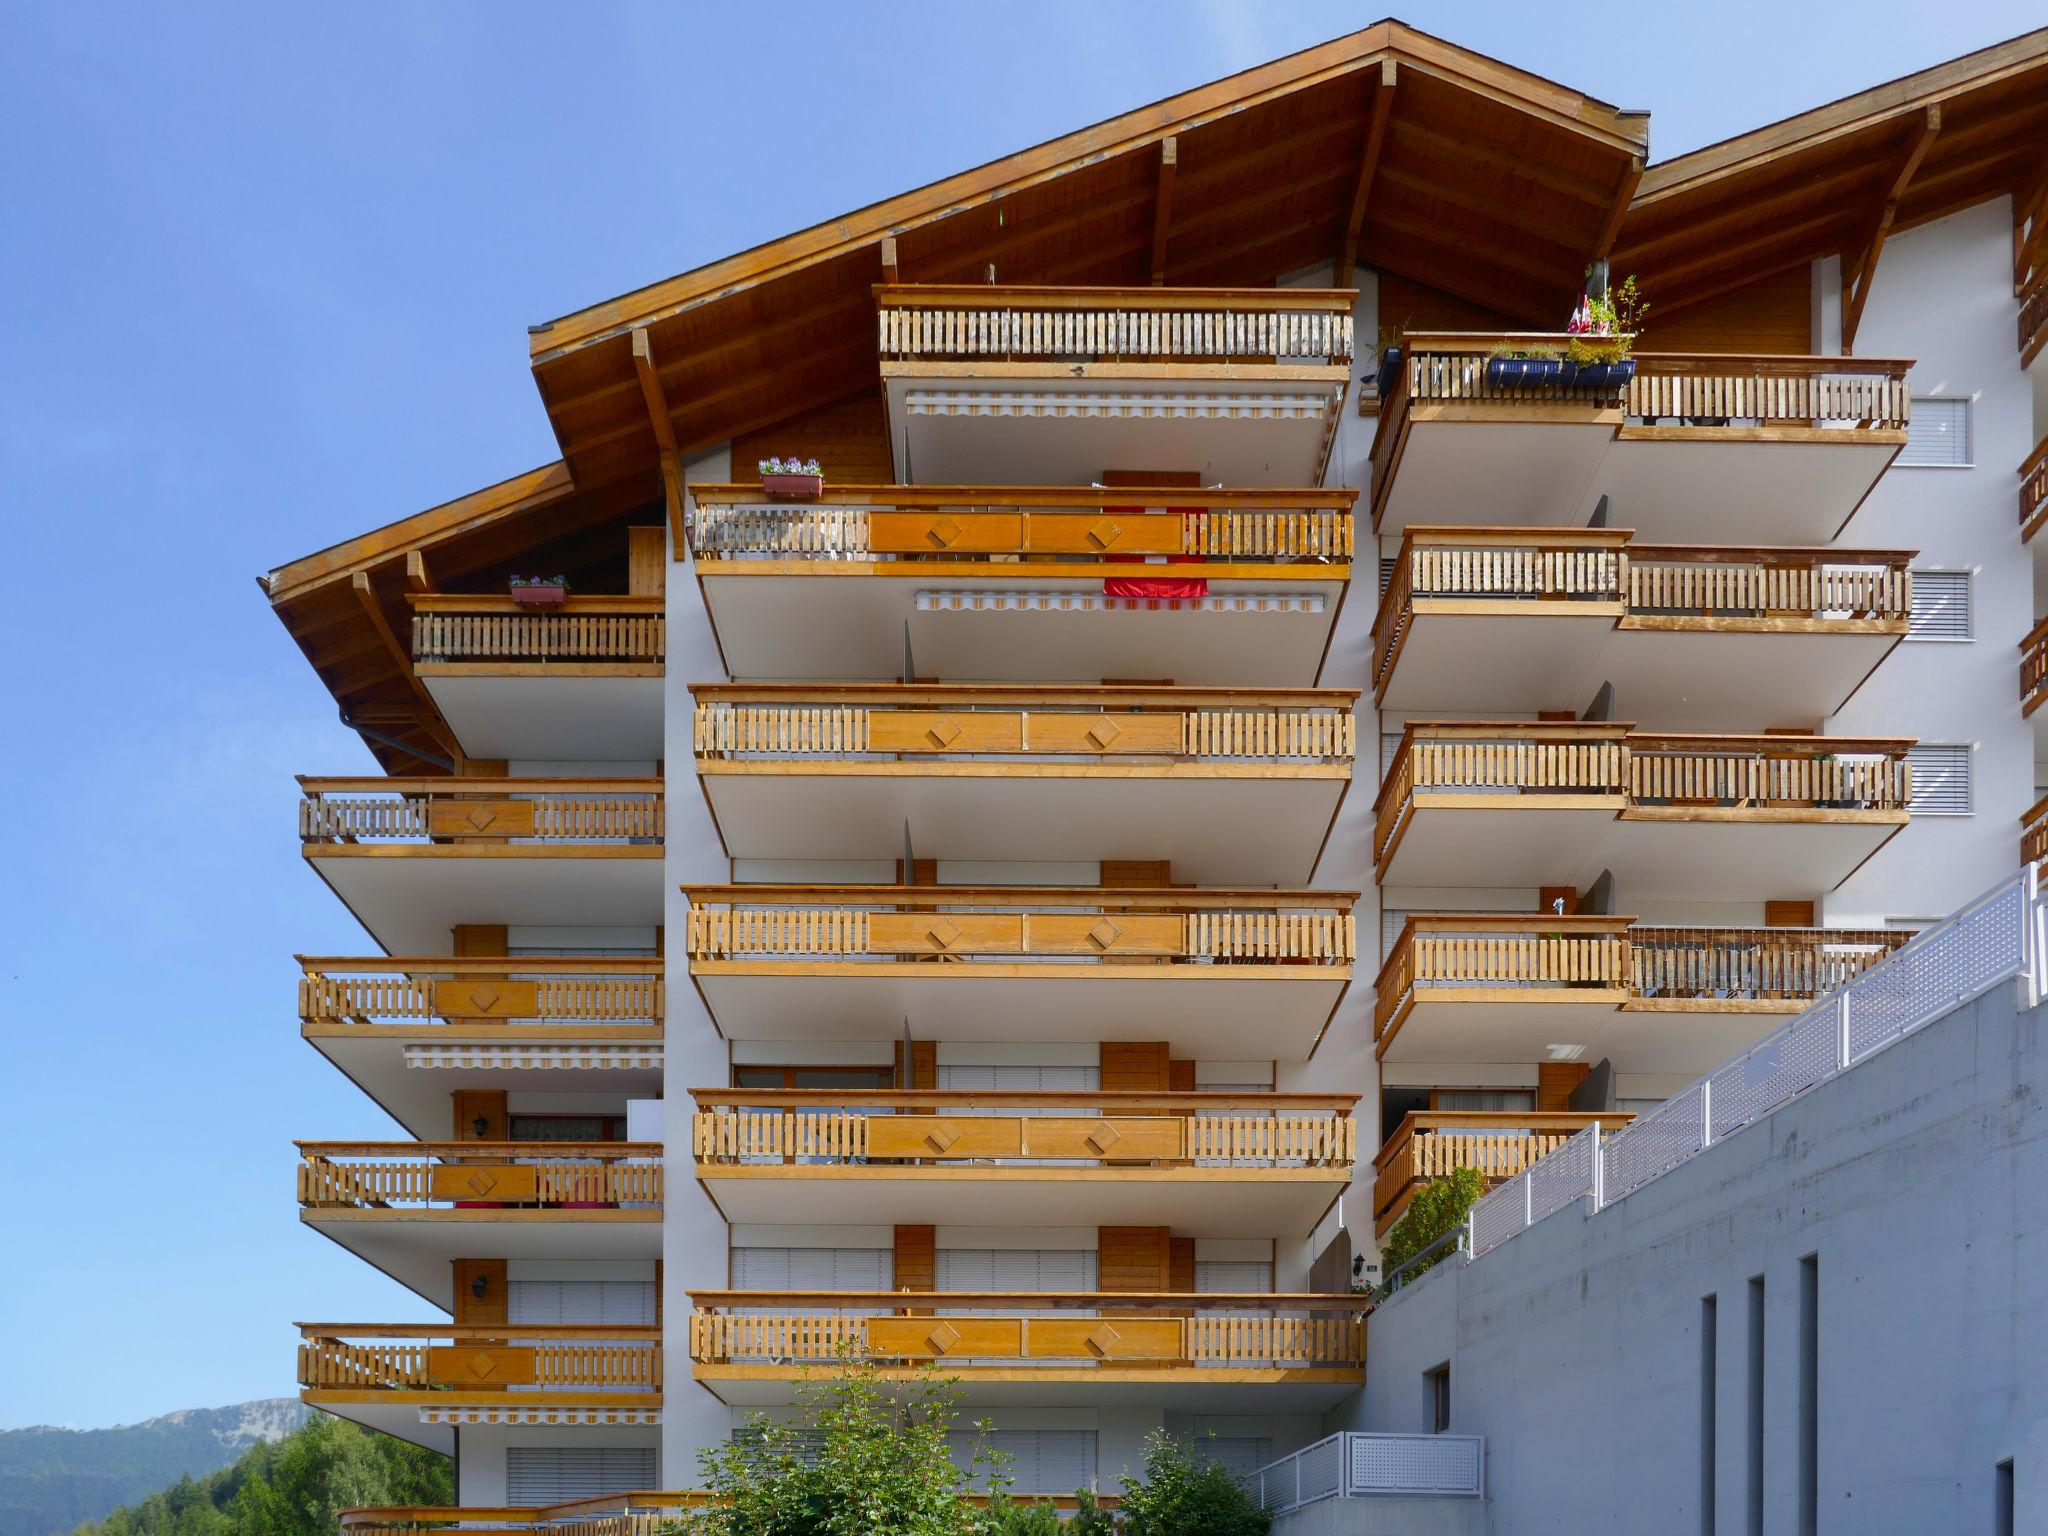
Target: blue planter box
{"x": 1607, "y": 375}
{"x": 1526, "y": 371}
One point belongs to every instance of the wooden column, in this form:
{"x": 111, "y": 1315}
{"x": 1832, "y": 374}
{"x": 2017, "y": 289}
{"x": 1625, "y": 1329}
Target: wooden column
{"x": 1789, "y": 914}
{"x": 1555, "y": 1081}
{"x": 489, "y": 1308}
{"x": 1135, "y": 1066}
{"x": 487, "y": 1103}
{"x": 1133, "y": 1258}
{"x": 646, "y": 562}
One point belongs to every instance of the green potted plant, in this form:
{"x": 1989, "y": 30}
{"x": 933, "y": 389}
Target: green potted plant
{"x": 1602, "y": 335}
{"x": 792, "y": 479}
{"x": 1511, "y": 363}
{"x": 539, "y": 591}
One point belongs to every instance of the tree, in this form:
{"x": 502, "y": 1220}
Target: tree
{"x": 1432, "y": 1211}
{"x": 860, "y": 1457}
{"x": 1182, "y": 1495}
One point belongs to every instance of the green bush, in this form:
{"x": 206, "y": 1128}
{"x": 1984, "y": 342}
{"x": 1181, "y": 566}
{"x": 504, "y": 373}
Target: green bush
{"x": 1180, "y": 1495}
{"x": 860, "y": 1457}
{"x": 1434, "y": 1210}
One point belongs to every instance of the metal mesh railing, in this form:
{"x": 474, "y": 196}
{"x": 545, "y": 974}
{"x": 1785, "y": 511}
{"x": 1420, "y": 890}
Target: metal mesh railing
{"x": 1350, "y": 1464}
{"x": 2000, "y": 935}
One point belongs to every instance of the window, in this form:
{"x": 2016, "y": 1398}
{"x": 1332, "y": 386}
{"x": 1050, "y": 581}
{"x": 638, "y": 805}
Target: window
{"x": 1937, "y": 434}
{"x": 555, "y": 1474}
{"x": 1392, "y": 921}
{"x": 622, "y": 1303}
{"x": 784, "y": 1078}
{"x": 1019, "y": 1079}
{"x": 1941, "y": 779}
{"x": 568, "y": 1127}
{"x": 813, "y": 1269}
{"x": 1233, "y": 1277}
{"x": 1239, "y": 1455}
{"x": 1438, "y": 1383}
{"x": 1045, "y": 1460}
{"x": 1941, "y": 606}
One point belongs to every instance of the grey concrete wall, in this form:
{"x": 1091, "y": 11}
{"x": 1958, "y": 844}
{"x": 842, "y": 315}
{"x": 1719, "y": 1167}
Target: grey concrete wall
{"x": 1919, "y": 1181}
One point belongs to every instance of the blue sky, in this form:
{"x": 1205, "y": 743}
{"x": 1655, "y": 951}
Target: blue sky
{"x": 267, "y": 271}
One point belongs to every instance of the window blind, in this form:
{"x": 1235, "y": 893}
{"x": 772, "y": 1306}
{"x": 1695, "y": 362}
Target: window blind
{"x": 623, "y": 1303}
{"x": 1941, "y": 780}
{"x": 1043, "y": 1460}
{"x": 1941, "y": 605}
{"x": 1016, "y": 1269}
{"x": 812, "y": 1269}
{"x": 1937, "y": 432}
{"x": 555, "y": 1474}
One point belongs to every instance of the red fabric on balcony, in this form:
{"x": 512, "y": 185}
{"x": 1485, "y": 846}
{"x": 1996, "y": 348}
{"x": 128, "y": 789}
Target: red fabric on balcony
{"x": 1155, "y": 586}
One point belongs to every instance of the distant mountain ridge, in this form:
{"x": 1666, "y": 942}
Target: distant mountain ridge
{"x": 53, "y": 1479}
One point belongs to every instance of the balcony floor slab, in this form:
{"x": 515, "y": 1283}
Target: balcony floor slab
{"x": 418, "y": 1247}
{"x": 1462, "y": 465}
{"x": 1739, "y": 485}
{"x": 1229, "y": 1013}
{"x": 1235, "y": 824}
{"x": 529, "y": 712}
{"x": 1218, "y": 1390}
{"x": 1195, "y": 1202}
{"x": 1453, "y": 1027}
{"x": 409, "y": 896}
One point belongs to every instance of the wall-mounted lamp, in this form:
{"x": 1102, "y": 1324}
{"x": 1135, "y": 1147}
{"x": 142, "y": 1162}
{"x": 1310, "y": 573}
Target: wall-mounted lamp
{"x": 479, "y": 1127}
{"x": 480, "y": 1286}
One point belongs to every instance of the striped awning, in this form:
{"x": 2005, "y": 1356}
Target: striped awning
{"x": 944, "y": 601}
{"x": 1308, "y": 405}
{"x": 474, "y": 1413}
{"x": 534, "y": 1058}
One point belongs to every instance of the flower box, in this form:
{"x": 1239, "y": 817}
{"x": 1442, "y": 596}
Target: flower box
{"x": 1615, "y": 375}
{"x": 793, "y": 487}
{"x": 1528, "y": 372}
{"x": 539, "y": 594}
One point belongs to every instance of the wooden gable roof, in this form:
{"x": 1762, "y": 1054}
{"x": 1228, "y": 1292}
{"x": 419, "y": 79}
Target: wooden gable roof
{"x": 1447, "y": 166}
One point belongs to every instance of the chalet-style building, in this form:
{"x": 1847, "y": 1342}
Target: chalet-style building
{"x": 1252, "y": 716}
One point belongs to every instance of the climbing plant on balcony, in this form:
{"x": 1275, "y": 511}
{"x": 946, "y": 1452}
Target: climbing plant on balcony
{"x": 1432, "y": 1211}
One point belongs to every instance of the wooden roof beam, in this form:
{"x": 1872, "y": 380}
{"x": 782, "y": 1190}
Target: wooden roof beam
{"x": 665, "y": 424}
{"x": 2030, "y": 233}
{"x": 1368, "y": 165}
{"x": 1866, "y": 268}
{"x": 1584, "y": 189}
{"x": 1725, "y": 255}
{"x": 417, "y": 577}
{"x": 1162, "y": 206}
{"x": 892, "y": 269}
{"x": 1624, "y": 194}
{"x": 431, "y": 720}
{"x": 1691, "y": 231}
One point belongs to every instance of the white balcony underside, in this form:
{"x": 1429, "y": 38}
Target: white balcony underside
{"x": 416, "y": 1248}
{"x": 1462, "y": 840}
{"x": 418, "y": 1098}
{"x": 1199, "y": 1015}
{"x": 1202, "y": 1202}
{"x": 410, "y": 903}
{"x": 1216, "y": 830}
{"x": 1526, "y": 1028}
{"x": 1185, "y": 1391}
{"x": 607, "y": 719}
{"x": 1021, "y": 443}
{"x": 854, "y": 629}
{"x": 1720, "y": 489}
{"x": 1452, "y": 664}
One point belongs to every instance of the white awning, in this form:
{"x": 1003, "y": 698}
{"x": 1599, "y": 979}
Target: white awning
{"x": 938, "y": 600}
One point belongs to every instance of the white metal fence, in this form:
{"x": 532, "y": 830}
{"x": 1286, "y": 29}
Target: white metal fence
{"x": 2000, "y": 935}
{"x": 1353, "y": 1465}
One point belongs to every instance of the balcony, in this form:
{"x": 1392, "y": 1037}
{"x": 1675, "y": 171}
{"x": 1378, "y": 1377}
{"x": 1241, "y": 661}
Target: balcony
{"x": 515, "y": 682}
{"x": 1496, "y": 1144}
{"x": 1208, "y": 1164}
{"x": 411, "y": 1208}
{"x": 1703, "y": 818}
{"x": 1307, "y": 1351}
{"x": 1490, "y": 620}
{"x": 412, "y": 857}
{"x": 1008, "y": 583}
{"x": 2034, "y": 488}
{"x": 1225, "y": 974}
{"x": 1229, "y": 785}
{"x": 2034, "y": 683}
{"x": 1762, "y": 450}
{"x": 411, "y": 1031}
{"x": 1052, "y": 386}
{"x": 420, "y": 1380}
{"x": 2034, "y": 832}
{"x": 1465, "y": 987}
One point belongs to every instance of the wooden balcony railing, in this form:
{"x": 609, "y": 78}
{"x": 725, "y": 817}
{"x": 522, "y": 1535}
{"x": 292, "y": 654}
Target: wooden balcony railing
{"x": 776, "y": 1334}
{"x": 1495, "y": 1144}
{"x": 1503, "y": 956}
{"x": 475, "y": 811}
{"x": 598, "y": 631}
{"x": 1684, "y": 391}
{"x": 512, "y": 1175}
{"x": 828, "y": 1127}
{"x": 999, "y": 924}
{"x": 913, "y": 723}
{"x": 2033, "y": 322}
{"x": 1720, "y": 776}
{"x": 2034, "y": 487}
{"x": 2034, "y": 832}
{"x": 911, "y": 526}
{"x": 496, "y": 1357}
{"x": 531, "y": 989}
{"x": 937, "y": 323}
{"x": 1547, "y": 571}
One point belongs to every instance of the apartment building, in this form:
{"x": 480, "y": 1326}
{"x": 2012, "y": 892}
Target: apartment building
{"x": 1237, "y": 731}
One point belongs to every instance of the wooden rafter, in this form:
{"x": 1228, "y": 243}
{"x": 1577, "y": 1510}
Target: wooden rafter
{"x": 1603, "y": 244}
{"x": 665, "y": 426}
{"x": 2030, "y": 234}
{"x": 417, "y": 576}
{"x": 430, "y": 717}
{"x": 1368, "y": 164}
{"x": 1162, "y": 206}
{"x": 892, "y": 269}
{"x": 1866, "y": 265}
